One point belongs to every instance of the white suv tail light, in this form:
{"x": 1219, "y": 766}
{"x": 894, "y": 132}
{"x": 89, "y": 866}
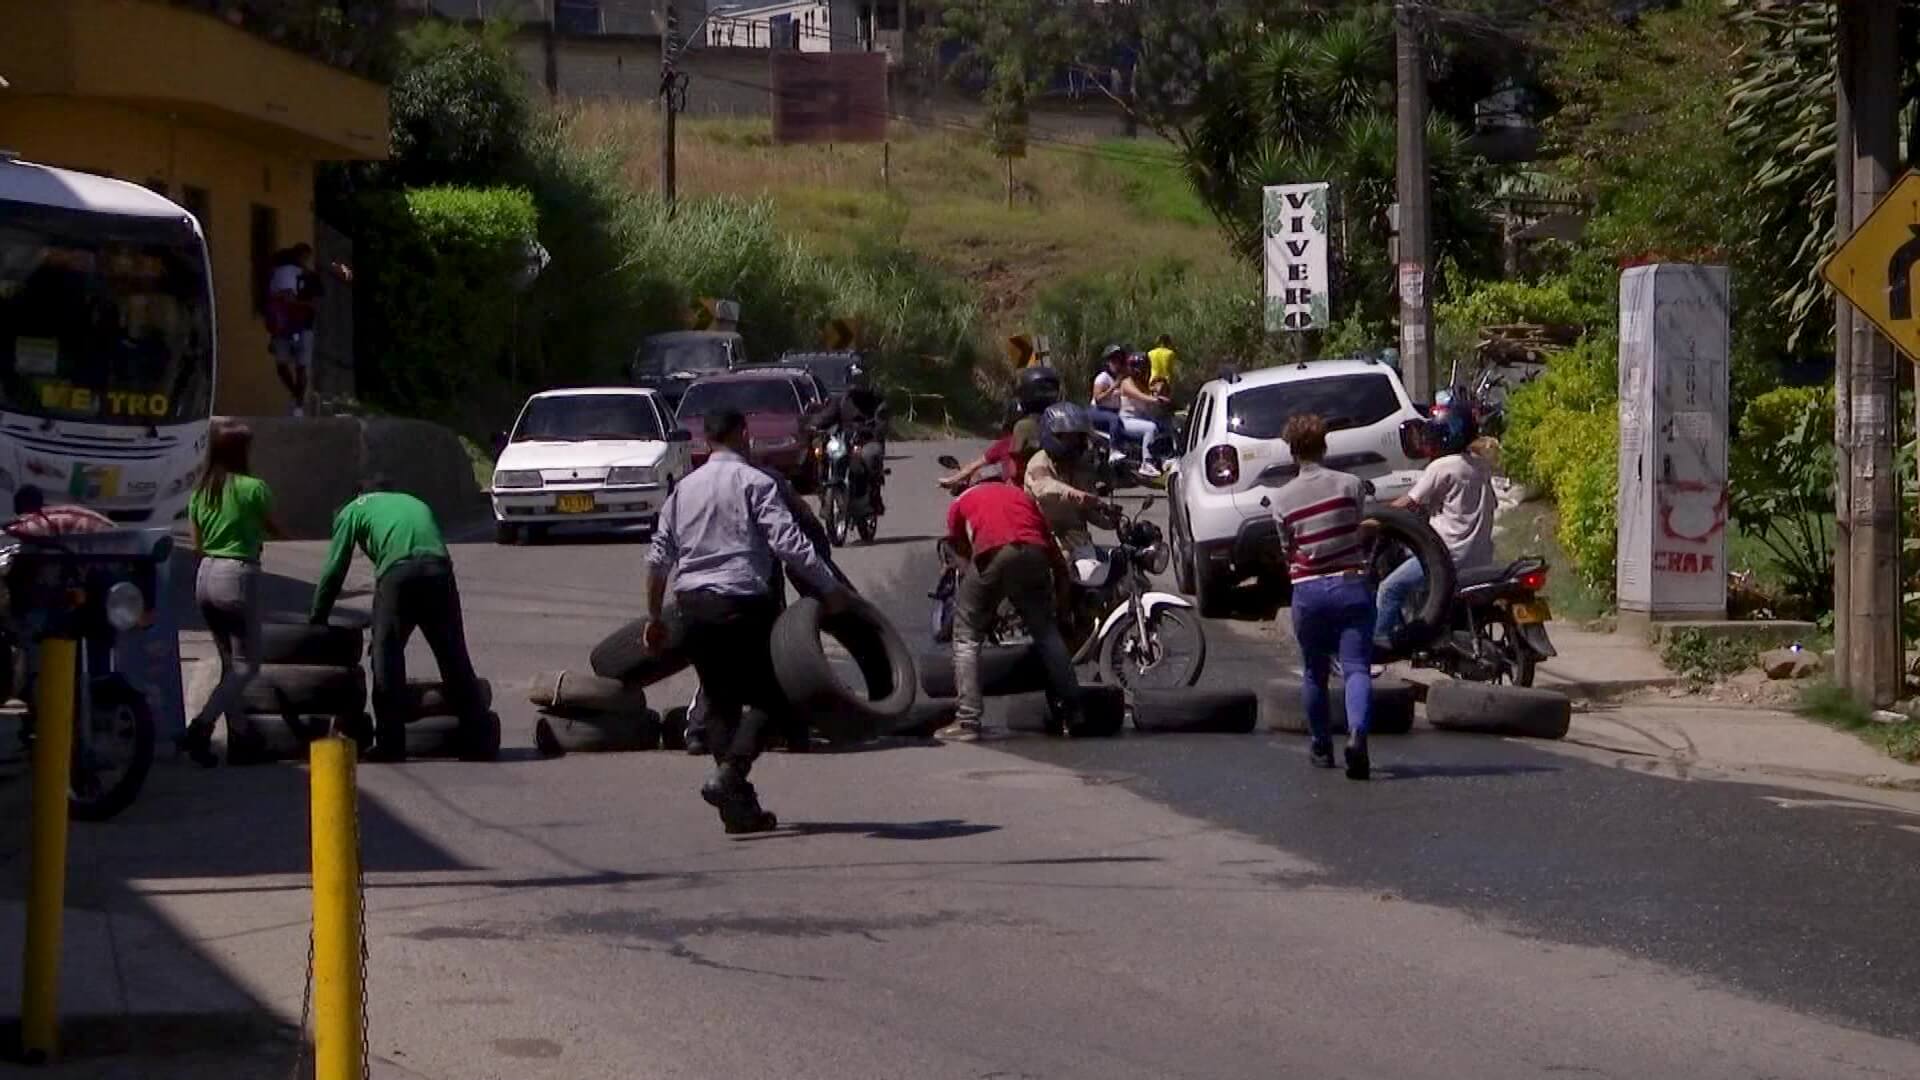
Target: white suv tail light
{"x": 1223, "y": 466}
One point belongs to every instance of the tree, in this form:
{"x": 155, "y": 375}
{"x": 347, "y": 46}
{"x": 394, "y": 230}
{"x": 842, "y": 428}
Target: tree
{"x": 1016, "y": 47}
{"x": 1253, "y": 93}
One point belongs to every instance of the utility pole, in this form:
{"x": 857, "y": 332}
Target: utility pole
{"x": 670, "y": 87}
{"x": 1416, "y": 237}
{"x": 1868, "y": 133}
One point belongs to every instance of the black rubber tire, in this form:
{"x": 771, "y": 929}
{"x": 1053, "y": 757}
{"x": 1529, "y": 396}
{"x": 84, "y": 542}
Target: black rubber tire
{"x": 292, "y": 640}
{"x": 623, "y": 655}
{"x": 1499, "y": 710}
{"x": 440, "y": 737}
{"x": 624, "y": 733}
{"x": 1182, "y": 539}
{"x": 673, "y": 728}
{"x": 504, "y": 534}
{"x": 428, "y": 697}
{"x": 1212, "y": 594}
{"x": 868, "y": 526}
{"x": 115, "y": 693}
{"x": 1103, "y": 711}
{"x": 833, "y": 514}
{"x": 1189, "y": 711}
{"x": 1004, "y": 669}
{"x": 307, "y": 691}
{"x": 576, "y": 692}
{"x": 928, "y": 715}
{"x": 800, "y": 663}
{"x": 1281, "y": 708}
{"x": 1432, "y": 619}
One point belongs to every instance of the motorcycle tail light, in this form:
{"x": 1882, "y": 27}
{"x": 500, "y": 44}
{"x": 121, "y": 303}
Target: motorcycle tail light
{"x": 1223, "y": 466}
{"x": 1534, "y": 580}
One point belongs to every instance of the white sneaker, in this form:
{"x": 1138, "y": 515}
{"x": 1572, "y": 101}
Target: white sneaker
{"x": 960, "y": 731}
{"x": 1148, "y": 471}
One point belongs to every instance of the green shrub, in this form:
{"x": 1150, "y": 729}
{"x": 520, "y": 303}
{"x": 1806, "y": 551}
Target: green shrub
{"x": 1781, "y": 471}
{"x": 439, "y": 295}
{"x": 1582, "y": 380}
{"x": 1704, "y": 657}
{"x": 1213, "y": 321}
{"x": 1586, "y": 486}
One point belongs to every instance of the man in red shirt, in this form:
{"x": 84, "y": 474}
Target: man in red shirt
{"x": 1010, "y": 556}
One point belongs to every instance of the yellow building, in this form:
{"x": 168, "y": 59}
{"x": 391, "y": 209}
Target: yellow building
{"x": 219, "y": 120}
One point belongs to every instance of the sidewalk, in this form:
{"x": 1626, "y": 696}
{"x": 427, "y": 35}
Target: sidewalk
{"x": 1601, "y": 666}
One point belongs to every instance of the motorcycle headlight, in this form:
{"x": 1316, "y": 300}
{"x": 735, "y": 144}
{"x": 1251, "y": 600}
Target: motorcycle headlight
{"x": 517, "y": 478}
{"x": 126, "y": 606}
{"x": 631, "y": 474}
{"x": 1157, "y": 558}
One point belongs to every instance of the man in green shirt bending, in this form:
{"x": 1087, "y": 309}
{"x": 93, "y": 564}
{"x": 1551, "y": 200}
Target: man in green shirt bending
{"x": 413, "y": 587}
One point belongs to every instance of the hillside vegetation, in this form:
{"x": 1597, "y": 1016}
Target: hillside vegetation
{"x": 1113, "y": 206}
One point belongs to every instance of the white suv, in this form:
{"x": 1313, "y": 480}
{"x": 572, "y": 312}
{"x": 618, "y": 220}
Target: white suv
{"x": 602, "y": 456}
{"x": 1233, "y": 458}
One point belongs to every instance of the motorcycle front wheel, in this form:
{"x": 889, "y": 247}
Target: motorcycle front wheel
{"x": 1502, "y": 636}
{"x": 833, "y": 514}
{"x": 868, "y": 526}
{"x": 110, "y": 765}
{"x": 1168, "y": 653}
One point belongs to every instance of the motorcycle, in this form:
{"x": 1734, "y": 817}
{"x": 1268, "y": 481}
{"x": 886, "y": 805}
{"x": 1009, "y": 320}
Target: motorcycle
{"x": 1139, "y": 638}
{"x": 840, "y": 505}
{"x": 91, "y": 588}
{"x": 1497, "y": 627}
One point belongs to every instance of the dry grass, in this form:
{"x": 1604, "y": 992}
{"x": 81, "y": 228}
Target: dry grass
{"x": 1092, "y": 206}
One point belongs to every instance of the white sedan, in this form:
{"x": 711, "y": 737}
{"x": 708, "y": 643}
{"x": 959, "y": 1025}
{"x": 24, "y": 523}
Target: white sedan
{"x": 596, "y": 456}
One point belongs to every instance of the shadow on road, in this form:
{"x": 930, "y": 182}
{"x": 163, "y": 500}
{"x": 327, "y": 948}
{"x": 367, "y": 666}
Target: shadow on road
{"x": 1456, "y": 772}
{"x": 875, "y": 830}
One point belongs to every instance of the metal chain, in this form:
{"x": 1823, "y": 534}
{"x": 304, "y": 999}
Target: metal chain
{"x": 301, "y": 1045}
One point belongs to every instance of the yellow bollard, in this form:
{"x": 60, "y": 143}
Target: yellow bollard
{"x": 338, "y": 1047}
{"x": 47, "y": 881}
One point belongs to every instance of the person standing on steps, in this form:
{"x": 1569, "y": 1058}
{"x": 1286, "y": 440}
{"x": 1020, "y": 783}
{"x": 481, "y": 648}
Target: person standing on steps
{"x": 1455, "y": 491}
{"x": 1161, "y": 360}
{"x": 231, "y": 514}
{"x": 718, "y": 538}
{"x": 1320, "y": 514}
{"x": 998, "y": 532}
{"x": 414, "y": 588}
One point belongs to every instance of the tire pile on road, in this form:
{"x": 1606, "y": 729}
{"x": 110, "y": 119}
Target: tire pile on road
{"x": 312, "y": 682}
{"x": 607, "y": 710}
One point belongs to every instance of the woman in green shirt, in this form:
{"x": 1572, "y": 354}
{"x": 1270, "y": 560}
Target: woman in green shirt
{"x": 231, "y": 514}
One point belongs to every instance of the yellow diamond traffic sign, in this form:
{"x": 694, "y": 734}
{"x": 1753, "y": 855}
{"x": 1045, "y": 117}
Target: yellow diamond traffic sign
{"x": 1877, "y": 268}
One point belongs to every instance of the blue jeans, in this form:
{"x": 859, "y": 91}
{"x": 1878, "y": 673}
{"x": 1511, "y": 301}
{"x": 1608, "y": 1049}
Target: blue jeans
{"x": 1334, "y": 617}
{"x": 1107, "y": 421}
{"x": 1407, "y": 578}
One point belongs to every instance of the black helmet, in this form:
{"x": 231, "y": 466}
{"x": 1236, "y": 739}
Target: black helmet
{"x": 857, "y": 378}
{"x": 1039, "y": 387}
{"x": 1452, "y": 433}
{"x": 1063, "y": 421}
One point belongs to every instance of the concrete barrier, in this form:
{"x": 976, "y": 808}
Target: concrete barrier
{"x": 317, "y": 465}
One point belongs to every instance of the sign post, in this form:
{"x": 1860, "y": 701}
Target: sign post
{"x": 1298, "y": 296}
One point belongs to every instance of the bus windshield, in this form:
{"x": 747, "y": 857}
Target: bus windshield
{"x": 104, "y": 319}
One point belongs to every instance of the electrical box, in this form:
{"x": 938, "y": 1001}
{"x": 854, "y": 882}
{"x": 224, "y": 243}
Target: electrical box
{"x": 1674, "y": 344}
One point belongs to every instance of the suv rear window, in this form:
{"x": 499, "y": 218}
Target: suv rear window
{"x": 1343, "y": 401}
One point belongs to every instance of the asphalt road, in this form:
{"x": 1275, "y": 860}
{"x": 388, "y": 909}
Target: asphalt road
{"x": 1202, "y": 906}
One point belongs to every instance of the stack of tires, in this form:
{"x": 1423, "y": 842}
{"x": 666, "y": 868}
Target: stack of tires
{"x": 605, "y": 710}
{"x": 312, "y": 682}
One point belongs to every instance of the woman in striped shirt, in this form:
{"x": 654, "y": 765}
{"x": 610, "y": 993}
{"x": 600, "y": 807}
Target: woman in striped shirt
{"x": 1320, "y": 514}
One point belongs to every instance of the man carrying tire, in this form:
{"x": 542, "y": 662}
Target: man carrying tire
{"x": 719, "y": 536}
{"x": 1319, "y": 513}
{"x": 1456, "y": 492}
{"x": 1009, "y": 556}
{"x": 414, "y": 588}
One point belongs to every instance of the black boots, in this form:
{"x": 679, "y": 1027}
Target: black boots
{"x": 728, "y": 791}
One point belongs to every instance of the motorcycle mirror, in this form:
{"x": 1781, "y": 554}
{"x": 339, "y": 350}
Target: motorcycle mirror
{"x": 948, "y": 461}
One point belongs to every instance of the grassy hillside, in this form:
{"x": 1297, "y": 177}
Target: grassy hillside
{"x": 1095, "y": 206}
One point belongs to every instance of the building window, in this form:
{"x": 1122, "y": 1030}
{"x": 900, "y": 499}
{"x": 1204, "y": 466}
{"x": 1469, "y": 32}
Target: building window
{"x": 577, "y": 16}
{"x": 264, "y": 241}
{"x": 200, "y": 204}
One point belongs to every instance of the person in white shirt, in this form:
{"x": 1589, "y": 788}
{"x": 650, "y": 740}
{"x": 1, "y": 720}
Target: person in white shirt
{"x": 1456, "y": 492}
{"x": 291, "y": 290}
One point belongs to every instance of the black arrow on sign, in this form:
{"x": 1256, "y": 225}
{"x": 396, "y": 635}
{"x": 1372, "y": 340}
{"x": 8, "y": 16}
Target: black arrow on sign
{"x": 1900, "y": 276}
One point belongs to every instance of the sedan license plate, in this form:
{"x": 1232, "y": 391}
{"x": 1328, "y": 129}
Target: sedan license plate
{"x": 574, "y": 504}
{"x": 1533, "y": 613}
